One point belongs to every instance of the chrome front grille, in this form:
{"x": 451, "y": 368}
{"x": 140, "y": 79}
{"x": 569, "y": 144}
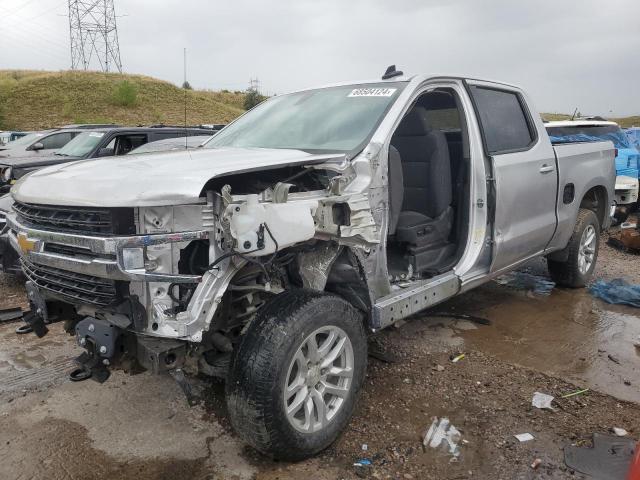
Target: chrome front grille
{"x": 69, "y": 285}
{"x": 89, "y": 221}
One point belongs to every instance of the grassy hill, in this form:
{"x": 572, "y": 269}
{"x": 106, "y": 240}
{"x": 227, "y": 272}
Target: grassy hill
{"x": 31, "y": 100}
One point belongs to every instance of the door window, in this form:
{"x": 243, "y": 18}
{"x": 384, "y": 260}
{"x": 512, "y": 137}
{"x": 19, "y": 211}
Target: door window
{"x": 126, "y": 143}
{"x": 505, "y": 122}
{"x": 57, "y": 140}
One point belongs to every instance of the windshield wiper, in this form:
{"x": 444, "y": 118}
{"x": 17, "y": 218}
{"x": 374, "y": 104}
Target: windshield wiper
{"x": 61, "y": 154}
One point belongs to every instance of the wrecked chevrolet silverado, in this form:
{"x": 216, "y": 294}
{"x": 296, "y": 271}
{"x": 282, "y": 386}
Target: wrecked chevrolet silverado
{"x": 265, "y": 257}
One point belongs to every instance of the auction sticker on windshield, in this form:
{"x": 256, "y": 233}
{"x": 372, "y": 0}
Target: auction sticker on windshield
{"x": 96, "y": 134}
{"x": 372, "y": 92}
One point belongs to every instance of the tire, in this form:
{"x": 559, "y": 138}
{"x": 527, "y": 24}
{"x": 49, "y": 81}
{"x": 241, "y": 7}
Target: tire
{"x": 268, "y": 358}
{"x": 572, "y": 273}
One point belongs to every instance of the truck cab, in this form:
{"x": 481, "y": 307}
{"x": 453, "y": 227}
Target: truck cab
{"x": 266, "y": 256}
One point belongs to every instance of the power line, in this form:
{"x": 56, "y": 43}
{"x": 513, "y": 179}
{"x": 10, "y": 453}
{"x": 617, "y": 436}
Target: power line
{"x": 94, "y": 35}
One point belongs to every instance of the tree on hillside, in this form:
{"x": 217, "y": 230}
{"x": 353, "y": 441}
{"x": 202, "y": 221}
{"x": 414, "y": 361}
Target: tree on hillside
{"x": 252, "y": 98}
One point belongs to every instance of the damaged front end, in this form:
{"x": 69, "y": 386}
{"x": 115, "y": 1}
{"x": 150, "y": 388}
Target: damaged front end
{"x": 170, "y": 288}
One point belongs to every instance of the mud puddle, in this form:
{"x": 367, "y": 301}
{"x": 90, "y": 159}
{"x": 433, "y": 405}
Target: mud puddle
{"x": 560, "y": 332}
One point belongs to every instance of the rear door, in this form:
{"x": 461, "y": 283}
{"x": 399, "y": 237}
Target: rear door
{"x": 524, "y": 173}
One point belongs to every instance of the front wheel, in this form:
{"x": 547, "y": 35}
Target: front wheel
{"x": 582, "y": 250}
{"x": 295, "y": 376}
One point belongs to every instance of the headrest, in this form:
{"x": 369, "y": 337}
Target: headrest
{"x": 437, "y": 101}
{"x": 413, "y": 124}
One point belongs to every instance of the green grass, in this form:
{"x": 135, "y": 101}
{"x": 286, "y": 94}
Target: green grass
{"x": 31, "y": 100}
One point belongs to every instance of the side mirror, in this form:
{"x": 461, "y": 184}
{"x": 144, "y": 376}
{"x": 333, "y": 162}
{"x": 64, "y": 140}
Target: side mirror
{"x": 37, "y": 146}
{"x": 105, "y": 152}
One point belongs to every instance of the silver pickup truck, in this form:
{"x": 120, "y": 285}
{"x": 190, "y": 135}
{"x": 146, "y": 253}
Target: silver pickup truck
{"x": 266, "y": 256}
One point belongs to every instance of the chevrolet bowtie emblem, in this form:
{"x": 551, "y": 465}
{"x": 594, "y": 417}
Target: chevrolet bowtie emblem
{"x": 25, "y": 244}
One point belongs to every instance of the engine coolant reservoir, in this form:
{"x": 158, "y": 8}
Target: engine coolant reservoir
{"x": 289, "y": 223}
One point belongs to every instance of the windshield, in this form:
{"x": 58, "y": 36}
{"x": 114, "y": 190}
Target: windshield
{"x": 81, "y": 145}
{"x": 336, "y": 119}
{"x": 589, "y": 133}
{"x": 26, "y": 140}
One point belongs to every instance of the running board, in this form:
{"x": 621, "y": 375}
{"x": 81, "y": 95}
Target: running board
{"x": 423, "y": 294}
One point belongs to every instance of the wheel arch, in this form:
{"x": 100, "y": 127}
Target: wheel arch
{"x": 597, "y": 200}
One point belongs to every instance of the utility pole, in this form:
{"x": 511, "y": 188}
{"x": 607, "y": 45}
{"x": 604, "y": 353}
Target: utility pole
{"x": 94, "y": 35}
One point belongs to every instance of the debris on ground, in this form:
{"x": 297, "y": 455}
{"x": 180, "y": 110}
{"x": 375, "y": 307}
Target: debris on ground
{"x": 524, "y": 437}
{"x": 613, "y": 358}
{"x": 542, "y": 400}
{"x": 462, "y": 316}
{"x": 573, "y": 394}
{"x": 609, "y": 459}
{"x": 620, "y": 432}
{"x": 363, "y": 462}
{"x": 457, "y": 358}
{"x": 10, "y": 314}
{"x": 443, "y": 435}
{"x": 526, "y": 281}
{"x": 536, "y": 463}
{"x": 438, "y": 368}
{"x": 617, "y": 291}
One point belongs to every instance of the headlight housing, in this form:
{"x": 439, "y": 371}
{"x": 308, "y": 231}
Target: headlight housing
{"x": 5, "y": 174}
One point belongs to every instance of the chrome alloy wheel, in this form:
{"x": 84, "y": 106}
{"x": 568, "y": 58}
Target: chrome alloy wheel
{"x": 319, "y": 379}
{"x": 587, "y": 250}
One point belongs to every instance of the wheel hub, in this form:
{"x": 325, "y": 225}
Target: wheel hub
{"x": 319, "y": 379}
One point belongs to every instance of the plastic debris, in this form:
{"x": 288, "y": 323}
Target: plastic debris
{"x": 617, "y": 291}
{"x": 620, "y": 432}
{"x": 457, "y": 358}
{"x": 365, "y": 447}
{"x": 542, "y": 400}
{"x": 443, "y": 435}
{"x": 363, "y": 462}
{"x": 438, "y": 368}
{"x": 573, "y": 394}
{"x": 524, "y": 437}
{"x": 536, "y": 463}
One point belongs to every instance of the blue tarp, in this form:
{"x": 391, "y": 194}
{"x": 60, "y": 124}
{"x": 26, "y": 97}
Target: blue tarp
{"x": 633, "y": 134}
{"x": 617, "y": 291}
{"x": 627, "y": 159}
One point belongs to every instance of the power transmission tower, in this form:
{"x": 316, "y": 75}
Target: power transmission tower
{"x": 254, "y": 84}
{"x": 94, "y": 36}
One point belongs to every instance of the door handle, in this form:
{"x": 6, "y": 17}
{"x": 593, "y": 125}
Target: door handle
{"x": 547, "y": 168}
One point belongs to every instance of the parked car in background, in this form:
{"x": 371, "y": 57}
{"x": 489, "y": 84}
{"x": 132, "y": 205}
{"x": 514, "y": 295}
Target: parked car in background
{"x": 93, "y": 143}
{"x": 38, "y": 144}
{"x": 8, "y": 136}
{"x": 265, "y": 256}
{"x": 627, "y": 156}
{"x": 177, "y": 143}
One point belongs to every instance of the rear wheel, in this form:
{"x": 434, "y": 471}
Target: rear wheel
{"x": 296, "y": 374}
{"x": 582, "y": 250}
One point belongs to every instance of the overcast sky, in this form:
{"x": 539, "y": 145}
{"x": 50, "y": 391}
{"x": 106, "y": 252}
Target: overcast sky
{"x": 567, "y": 54}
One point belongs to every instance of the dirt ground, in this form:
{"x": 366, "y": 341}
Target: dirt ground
{"x": 540, "y": 339}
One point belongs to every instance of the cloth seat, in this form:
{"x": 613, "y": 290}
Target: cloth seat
{"x": 426, "y": 216}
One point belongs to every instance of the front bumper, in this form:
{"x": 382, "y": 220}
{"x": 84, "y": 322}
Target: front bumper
{"x": 96, "y": 256}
